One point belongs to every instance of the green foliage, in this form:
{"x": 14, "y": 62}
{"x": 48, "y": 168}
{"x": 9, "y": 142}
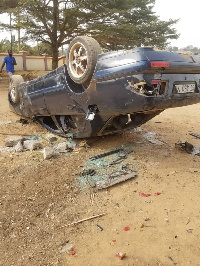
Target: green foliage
{"x": 39, "y": 49}
{"x": 114, "y": 23}
{"x": 6, "y": 5}
{"x": 5, "y": 45}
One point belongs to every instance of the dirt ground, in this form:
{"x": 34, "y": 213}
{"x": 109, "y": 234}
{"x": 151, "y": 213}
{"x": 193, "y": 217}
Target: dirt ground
{"x": 41, "y": 199}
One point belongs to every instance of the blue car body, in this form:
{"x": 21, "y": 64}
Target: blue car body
{"x": 128, "y": 88}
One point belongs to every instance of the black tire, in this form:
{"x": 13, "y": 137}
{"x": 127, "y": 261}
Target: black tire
{"x": 15, "y": 80}
{"x": 82, "y": 58}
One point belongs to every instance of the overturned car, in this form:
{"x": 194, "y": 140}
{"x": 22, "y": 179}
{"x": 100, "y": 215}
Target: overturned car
{"x": 97, "y": 93}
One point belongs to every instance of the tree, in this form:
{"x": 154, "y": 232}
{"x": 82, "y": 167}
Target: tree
{"x": 5, "y": 5}
{"x": 114, "y": 23}
{"x": 5, "y": 45}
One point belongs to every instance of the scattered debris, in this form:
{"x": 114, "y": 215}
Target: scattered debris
{"x": 141, "y": 225}
{"x": 127, "y": 228}
{"x": 153, "y": 138}
{"x": 20, "y": 143}
{"x": 73, "y": 252}
{"x": 31, "y": 144}
{"x": 144, "y": 194}
{"x": 51, "y": 138}
{"x": 90, "y": 172}
{"x": 105, "y": 154}
{"x": 189, "y": 230}
{"x": 60, "y": 147}
{"x": 194, "y": 170}
{"x": 83, "y": 143}
{"x": 66, "y": 248}
{"x": 115, "y": 178}
{"x": 188, "y": 221}
{"x": 188, "y": 147}
{"x": 172, "y": 173}
{"x": 48, "y": 153}
{"x": 19, "y": 147}
{"x": 172, "y": 260}
{"x": 12, "y": 141}
{"x": 76, "y": 149}
{"x": 7, "y": 149}
{"x": 195, "y": 135}
{"x": 71, "y": 144}
{"x": 86, "y": 219}
{"x": 99, "y": 227}
{"x": 108, "y": 169}
{"x": 33, "y": 137}
{"x": 23, "y": 121}
{"x": 120, "y": 255}
{"x": 157, "y": 193}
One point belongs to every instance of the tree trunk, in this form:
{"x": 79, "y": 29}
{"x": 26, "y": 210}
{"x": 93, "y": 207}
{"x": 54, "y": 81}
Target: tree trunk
{"x": 55, "y": 56}
{"x": 55, "y": 34}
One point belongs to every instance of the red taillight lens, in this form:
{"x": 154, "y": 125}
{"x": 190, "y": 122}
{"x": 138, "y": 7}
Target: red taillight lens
{"x": 156, "y": 81}
{"x": 159, "y": 64}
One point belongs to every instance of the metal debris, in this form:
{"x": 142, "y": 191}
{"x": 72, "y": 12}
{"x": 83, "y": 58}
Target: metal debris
{"x": 99, "y": 227}
{"x": 115, "y": 179}
{"x": 105, "y": 154}
{"x": 108, "y": 169}
{"x": 172, "y": 260}
{"x": 188, "y": 147}
{"x": 195, "y": 135}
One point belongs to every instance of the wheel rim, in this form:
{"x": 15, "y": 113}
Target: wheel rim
{"x": 78, "y": 60}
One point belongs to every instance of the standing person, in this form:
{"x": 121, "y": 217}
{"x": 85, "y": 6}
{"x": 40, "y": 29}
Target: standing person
{"x": 10, "y": 63}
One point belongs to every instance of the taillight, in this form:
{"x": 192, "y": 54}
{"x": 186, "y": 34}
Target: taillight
{"x": 159, "y": 64}
{"x": 156, "y": 81}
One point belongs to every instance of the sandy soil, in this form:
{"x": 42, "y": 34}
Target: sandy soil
{"x": 40, "y": 199}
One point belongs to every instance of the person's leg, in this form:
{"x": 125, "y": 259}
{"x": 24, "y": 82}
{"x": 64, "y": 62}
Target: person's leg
{"x": 10, "y": 75}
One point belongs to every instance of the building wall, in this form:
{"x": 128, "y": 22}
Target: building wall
{"x": 28, "y": 63}
{"x": 35, "y": 63}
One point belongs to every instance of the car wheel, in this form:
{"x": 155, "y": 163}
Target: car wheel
{"x": 15, "y": 80}
{"x": 82, "y": 58}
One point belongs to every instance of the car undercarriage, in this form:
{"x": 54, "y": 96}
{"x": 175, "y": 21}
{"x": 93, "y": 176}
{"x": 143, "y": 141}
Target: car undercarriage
{"x": 98, "y": 93}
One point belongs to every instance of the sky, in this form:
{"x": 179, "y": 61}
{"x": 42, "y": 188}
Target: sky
{"x": 186, "y": 11}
